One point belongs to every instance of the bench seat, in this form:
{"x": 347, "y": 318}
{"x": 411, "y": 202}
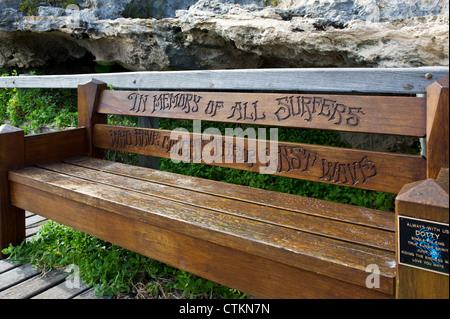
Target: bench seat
{"x": 227, "y": 232}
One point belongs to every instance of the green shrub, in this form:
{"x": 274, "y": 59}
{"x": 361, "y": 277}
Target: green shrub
{"x": 110, "y": 269}
{"x": 335, "y": 193}
{"x": 31, "y": 109}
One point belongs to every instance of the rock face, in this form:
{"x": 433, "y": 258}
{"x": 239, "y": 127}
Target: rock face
{"x": 213, "y": 34}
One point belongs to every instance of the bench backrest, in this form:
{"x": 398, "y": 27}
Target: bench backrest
{"x": 383, "y": 114}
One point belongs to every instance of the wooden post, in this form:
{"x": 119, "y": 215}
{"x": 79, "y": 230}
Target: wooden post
{"x": 88, "y": 96}
{"x": 437, "y": 127}
{"x": 422, "y": 211}
{"x": 12, "y": 219}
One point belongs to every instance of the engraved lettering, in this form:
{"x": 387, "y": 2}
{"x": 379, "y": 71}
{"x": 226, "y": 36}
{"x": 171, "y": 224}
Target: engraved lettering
{"x": 120, "y": 139}
{"x": 368, "y": 169}
{"x": 309, "y": 108}
{"x": 306, "y": 102}
{"x": 346, "y": 173}
{"x": 354, "y": 119}
{"x": 326, "y": 107}
{"x": 138, "y": 101}
{"x": 213, "y": 107}
{"x": 189, "y": 103}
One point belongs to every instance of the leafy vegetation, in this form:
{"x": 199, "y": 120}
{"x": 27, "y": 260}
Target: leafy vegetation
{"x": 31, "y": 7}
{"x": 110, "y": 269}
{"x": 113, "y": 270}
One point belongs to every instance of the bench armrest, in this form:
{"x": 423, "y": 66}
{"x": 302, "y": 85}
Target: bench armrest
{"x": 55, "y": 146}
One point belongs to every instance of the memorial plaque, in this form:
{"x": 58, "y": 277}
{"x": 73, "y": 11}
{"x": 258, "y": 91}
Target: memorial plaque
{"x": 423, "y": 244}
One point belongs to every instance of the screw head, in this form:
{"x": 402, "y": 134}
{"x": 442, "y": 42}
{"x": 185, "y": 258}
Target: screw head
{"x": 428, "y": 76}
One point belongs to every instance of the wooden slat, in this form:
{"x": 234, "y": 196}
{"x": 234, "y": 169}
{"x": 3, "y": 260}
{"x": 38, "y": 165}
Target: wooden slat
{"x": 244, "y": 270}
{"x": 370, "y": 114}
{"x": 54, "y": 146}
{"x": 304, "y": 222}
{"x": 380, "y": 171}
{"x": 6, "y": 265}
{"x": 303, "y": 205}
{"x": 315, "y": 253}
{"x": 377, "y": 80}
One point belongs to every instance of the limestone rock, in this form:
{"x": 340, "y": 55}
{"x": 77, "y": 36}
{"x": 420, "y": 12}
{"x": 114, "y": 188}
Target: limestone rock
{"x": 218, "y": 34}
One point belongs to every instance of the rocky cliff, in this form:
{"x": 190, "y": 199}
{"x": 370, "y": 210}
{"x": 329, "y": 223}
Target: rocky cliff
{"x": 217, "y": 34}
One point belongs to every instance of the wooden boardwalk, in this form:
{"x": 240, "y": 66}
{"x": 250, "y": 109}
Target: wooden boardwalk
{"x": 23, "y": 281}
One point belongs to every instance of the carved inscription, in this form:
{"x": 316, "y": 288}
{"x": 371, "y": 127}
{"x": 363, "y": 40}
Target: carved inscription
{"x": 240, "y": 112}
{"x": 226, "y": 150}
{"x": 139, "y": 101}
{"x": 295, "y": 158}
{"x": 272, "y": 109}
{"x": 348, "y": 173}
{"x": 189, "y": 103}
{"x": 309, "y": 107}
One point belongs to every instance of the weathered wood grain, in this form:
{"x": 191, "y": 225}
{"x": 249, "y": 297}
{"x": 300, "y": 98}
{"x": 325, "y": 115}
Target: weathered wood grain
{"x": 266, "y": 240}
{"x": 55, "y": 146}
{"x": 427, "y": 200}
{"x": 303, "y": 205}
{"x": 88, "y": 95}
{"x": 239, "y": 268}
{"x": 370, "y": 114}
{"x": 12, "y": 219}
{"x": 15, "y": 275}
{"x": 380, "y": 171}
{"x": 34, "y": 285}
{"x": 377, "y": 80}
{"x": 304, "y": 222}
{"x": 6, "y": 265}
{"x": 62, "y": 291}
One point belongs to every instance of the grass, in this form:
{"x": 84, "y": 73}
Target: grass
{"x": 115, "y": 271}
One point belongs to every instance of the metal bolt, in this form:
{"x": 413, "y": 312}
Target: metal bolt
{"x": 428, "y": 76}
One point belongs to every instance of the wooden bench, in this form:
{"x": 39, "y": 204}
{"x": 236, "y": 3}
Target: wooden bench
{"x": 268, "y": 244}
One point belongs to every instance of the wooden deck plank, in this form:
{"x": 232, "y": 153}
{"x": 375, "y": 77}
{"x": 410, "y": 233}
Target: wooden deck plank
{"x": 157, "y": 211}
{"x": 17, "y": 275}
{"x": 383, "y": 171}
{"x": 33, "y": 286}
{"x": 62, "y": 291}
{"x": 19, "y": 281}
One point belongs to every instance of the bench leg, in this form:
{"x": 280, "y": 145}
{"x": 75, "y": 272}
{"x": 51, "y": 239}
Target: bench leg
{"x": 12, "y": 219}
